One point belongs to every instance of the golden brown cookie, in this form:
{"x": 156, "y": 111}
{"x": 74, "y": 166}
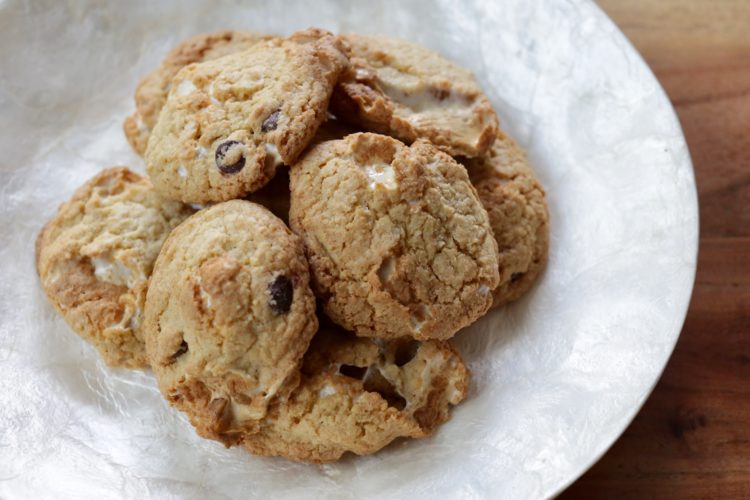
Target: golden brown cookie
{"x": 405, "y": 90}
{"x": 153, "y": 89}
{"x": 94, "y": 259}
{"x": 357, "y": 395}
{"x": 228, "y": 316}
{"x": 229, "y": 123}
{"x": 516, "y": 204}
{"x": 398, "y": 241}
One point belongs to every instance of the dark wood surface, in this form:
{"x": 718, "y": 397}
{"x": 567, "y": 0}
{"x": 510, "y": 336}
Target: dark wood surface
{"x": 692, "y": 437}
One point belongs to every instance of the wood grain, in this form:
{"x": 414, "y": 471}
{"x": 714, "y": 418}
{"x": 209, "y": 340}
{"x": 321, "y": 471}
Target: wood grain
{"x": 692, "y": 437}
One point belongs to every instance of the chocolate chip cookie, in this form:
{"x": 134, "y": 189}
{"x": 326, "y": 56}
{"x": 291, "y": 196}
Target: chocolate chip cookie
{"x": 94, "y": 259}
{"x": 357, "y": 395}
{"x": 408, "y": 91}
{"x": 398, "y": 241}
{"x": 516, "y": 204}
{"x": 152, "y": 91}
{"x": 228, "y": 316}
{"x": 229, "y": 123}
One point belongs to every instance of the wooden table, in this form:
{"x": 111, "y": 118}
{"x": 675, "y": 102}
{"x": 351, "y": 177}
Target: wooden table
{"x": 692, "y": 437}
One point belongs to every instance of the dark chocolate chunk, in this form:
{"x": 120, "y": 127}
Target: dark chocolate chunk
{"x": 271, "y": 122}
{"x": 179, "y": 352}
{"x": 515, "y": 277}
{"x": 235, "y": 161}
{"x": 281, "y": 292}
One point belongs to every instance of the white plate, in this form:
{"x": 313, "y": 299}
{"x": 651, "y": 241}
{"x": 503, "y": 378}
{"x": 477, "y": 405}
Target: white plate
{"x": 557, "y": 376}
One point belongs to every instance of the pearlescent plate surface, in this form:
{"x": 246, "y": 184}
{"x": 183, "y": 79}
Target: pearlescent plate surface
{"x": 557, "y": 376}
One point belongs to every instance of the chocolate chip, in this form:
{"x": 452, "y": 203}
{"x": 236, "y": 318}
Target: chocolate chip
{"x": 179, "y": 352}
{"x": 271, "y": 122}
{"x": 235, "y": 160}
{"x": 515, "y": 277}
{"x": 281, "y": 293}
{"x": 352, "y": 371}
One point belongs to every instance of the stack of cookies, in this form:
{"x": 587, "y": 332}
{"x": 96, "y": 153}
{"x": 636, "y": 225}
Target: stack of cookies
{"x": 322, "y": 214}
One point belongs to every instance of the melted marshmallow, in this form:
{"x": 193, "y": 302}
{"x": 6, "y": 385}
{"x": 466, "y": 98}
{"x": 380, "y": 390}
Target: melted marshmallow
{"x": 326, "y": 390}
{"x": 185, "y": 87}
{"x": 111, "y": 272}
{"x": 273, "y": 154}
{"x": 381, "y": 174}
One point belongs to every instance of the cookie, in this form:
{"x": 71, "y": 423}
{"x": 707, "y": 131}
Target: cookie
{"x": 398, "y": 242}
{"x": 357, "y": 395}
{"x": 153, "y": 89}
{"x": 516, "y": 204}
{"x": 229, "y": 315}
{"x": 94, "y": 259}
{"x": 229, "y": 123}
{"x": 408, "y": 91}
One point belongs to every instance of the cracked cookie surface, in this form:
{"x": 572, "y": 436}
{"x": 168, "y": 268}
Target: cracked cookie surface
{"x": 357, "y": 395}
{"x": 152, "y": 90}
{"x": 229, "y": 123}
{"x": 228, "y": 316}
{"x": 517, "y": 207}
{"x": 405, "y": 90}
{"x": 95, "y": 256}
{"x": 398, "y": 242}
